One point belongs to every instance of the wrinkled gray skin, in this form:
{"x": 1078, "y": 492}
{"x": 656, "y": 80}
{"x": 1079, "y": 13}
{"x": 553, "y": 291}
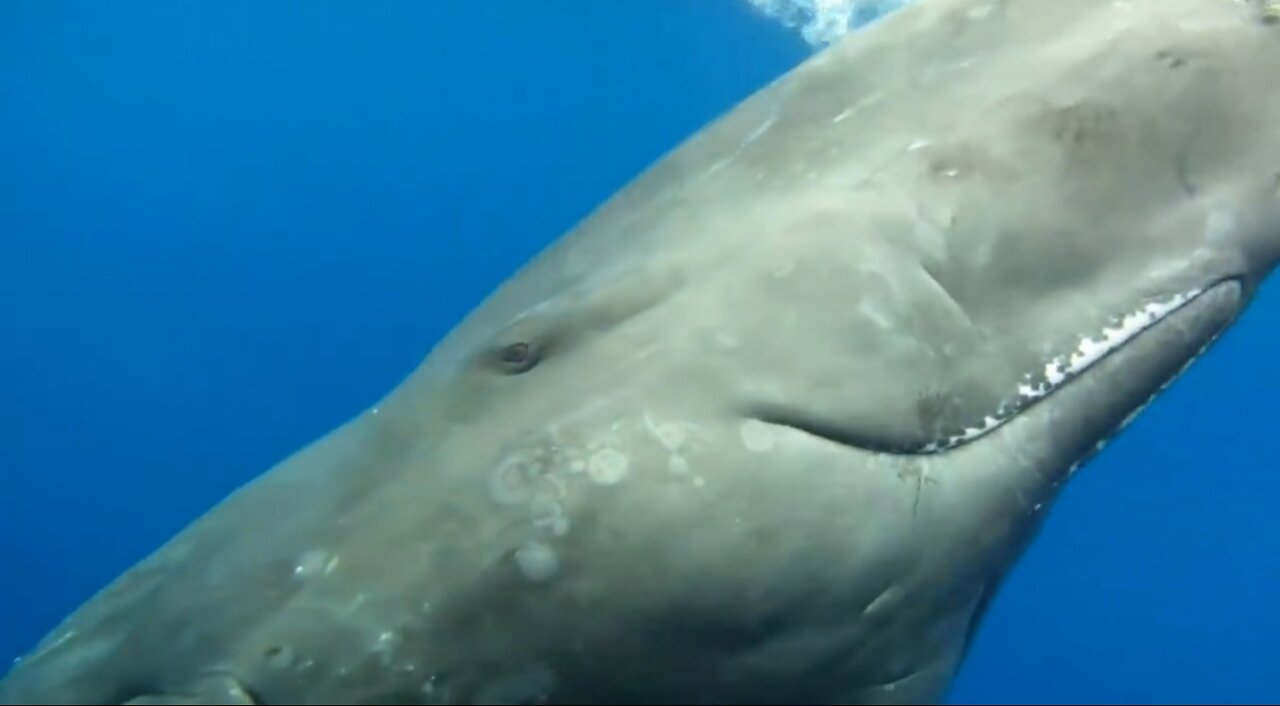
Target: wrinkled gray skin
{"x": 772, "y": 424}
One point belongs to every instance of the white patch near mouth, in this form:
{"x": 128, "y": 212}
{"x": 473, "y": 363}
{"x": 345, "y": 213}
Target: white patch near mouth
{"x": 1064, "y": 368}
{"x": 1089, "y": 351}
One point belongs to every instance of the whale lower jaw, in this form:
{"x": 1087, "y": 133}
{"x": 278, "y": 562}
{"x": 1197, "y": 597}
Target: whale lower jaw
{"x": 1035, "y": 388}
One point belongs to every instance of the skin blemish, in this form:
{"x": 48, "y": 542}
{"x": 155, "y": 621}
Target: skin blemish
{"x": 537, "y": 561}
{"x": 512, "y": 481}
{"x": 607, "y": 467}
{"x": 756, "y": 436}
{"x": 915, "y": 473}
{"x": 1171, "y": 59}
{"x": 280, "y": 657}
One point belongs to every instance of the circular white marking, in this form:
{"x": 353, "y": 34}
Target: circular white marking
{"x": 509, "y": 483}
{"x": 537, "y": 561}
{"x": 672, "y": 436}
{"x": 549, "y": 516}
{"x": 756, "y": 436}
{"x": 559, "y": 526}
{"x": 607, "y": 467}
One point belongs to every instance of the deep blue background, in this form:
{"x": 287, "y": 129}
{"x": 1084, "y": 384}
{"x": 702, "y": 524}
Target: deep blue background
{"x": 225, "y": 227}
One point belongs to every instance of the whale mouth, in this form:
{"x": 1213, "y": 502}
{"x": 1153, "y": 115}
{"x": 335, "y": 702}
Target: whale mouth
{"x": 1041, "y": 382}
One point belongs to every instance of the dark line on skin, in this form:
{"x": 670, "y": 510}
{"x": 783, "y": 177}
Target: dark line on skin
{"x": 1184, "y": 178}
{"x": 950, "y": 297}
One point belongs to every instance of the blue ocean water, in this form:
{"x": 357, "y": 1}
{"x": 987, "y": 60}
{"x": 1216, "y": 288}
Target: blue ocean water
{"x": 226, "y": 227}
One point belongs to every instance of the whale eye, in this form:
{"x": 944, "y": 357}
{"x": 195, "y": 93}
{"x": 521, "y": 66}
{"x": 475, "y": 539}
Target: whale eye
{"x": 515, "y": 353}
{"x": 518, "y": 357}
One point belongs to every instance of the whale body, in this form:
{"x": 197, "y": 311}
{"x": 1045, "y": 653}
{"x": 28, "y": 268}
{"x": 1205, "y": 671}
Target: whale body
{"x": 772, "y": 423}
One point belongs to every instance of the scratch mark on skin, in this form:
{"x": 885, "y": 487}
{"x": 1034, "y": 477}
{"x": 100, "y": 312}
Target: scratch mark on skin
{"x": 917, "y": 474}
